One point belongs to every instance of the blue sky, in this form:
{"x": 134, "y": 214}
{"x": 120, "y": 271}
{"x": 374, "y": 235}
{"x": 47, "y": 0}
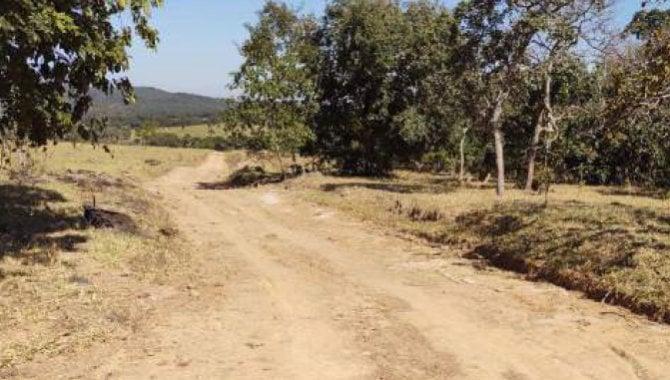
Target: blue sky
{"x": 199, "y": 40}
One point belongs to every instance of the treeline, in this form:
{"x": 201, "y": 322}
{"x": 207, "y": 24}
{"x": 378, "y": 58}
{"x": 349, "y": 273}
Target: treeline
{"x": 218, "y": 143}
{"x": 526, "y": 90}
{"x": 156, "y": 133}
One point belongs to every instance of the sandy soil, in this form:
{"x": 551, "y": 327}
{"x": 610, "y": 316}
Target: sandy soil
{"x": 286, "y": 290}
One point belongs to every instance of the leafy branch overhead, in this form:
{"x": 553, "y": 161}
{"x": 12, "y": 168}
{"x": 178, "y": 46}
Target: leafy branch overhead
{"x": 52, "y": 53}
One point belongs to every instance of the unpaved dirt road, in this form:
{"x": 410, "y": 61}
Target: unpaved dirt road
{"x": 290, "y": 291}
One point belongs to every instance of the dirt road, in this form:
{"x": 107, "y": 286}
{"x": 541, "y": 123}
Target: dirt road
{"x": 290, "y": 291}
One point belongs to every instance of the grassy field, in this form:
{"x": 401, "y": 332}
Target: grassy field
{"x": 63, "y": 286}
{"x": 137, "y": 163}
{"x": 612, "y": 244}
{"x": 201, "y": 130}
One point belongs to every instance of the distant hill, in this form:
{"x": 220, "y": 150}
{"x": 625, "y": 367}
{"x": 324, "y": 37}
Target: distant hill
{"x": 169, "y": 109}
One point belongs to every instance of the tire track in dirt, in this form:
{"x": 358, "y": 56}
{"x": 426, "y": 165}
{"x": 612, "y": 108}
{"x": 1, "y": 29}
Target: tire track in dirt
{"x": 518, "y": 330}
{"x": 395, "y": 348}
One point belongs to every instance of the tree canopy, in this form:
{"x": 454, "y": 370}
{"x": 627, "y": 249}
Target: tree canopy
{"x": 491, "y": 86}
{"x": 276, "y": 80}
{"x": 52, "y": 53}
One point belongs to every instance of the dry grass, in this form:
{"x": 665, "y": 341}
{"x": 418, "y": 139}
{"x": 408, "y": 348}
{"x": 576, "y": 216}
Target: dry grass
{"x": 64, "y": 287}
{"x": 613, "y": 245}
{"x": 135, "y": 162}
{"x": 200, "y": 130}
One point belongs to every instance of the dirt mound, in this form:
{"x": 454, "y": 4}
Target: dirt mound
{"x": 250, "y": 176}
{"x": 247, "y": 176}
{"x": 105, "y": 219}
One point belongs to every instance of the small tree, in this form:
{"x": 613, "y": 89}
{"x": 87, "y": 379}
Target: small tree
{"x": 147, "y": 130}
{"x": 497, "y": 34}
{"x": 551, "y": 55}
{"x": 277, "y": 81}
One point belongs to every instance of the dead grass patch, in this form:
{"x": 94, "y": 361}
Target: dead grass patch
{"x": 613, "y": 246}
{"x": 416, "y": 213}
{"x": 63, "y": 286}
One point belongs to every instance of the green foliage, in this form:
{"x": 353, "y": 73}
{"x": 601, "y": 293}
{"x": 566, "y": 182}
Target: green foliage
{"x": 360, "y": 41}
{"x": 640, "y": 80}
{"x": 276, "y": 80}
{"x": 438, "y": 161}
{"x": 382, "y": 83}
{"x": 646, "y": 22}
{"x": 612, "y": 139}
{"x": 53, "y": 52}
{"x": 147, "y": 130}
{"x": 218, "y": 143}
{"x": 429, "y": 93}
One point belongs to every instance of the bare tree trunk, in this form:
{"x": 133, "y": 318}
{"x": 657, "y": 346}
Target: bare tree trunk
{"x": 461, "y": 174}
{"x": 280, "y": 161}
{"x": 547, "y": 117}
{"x": 499, "y": 142}
{"x": 3, "y": 154}
{"x": 548, "y": 182}
{"x": 23, "y": 160}
{"x": 532, "y": 152}
{"x": 500, "y": 162}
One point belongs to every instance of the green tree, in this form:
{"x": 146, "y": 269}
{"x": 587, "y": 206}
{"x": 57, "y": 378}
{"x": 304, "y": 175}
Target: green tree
{"x": 147, "y": 130}
{"x": 360, "y": 41}
{"x": 551, "y": 53}
{"x": 497, "y": 35}
{"x": 384, "y": 83}
{"x": 634, "y": 133}
{"x": 433, "y": 114}
{"x": 277, "y": 81}
{"x": 53, "y": 52}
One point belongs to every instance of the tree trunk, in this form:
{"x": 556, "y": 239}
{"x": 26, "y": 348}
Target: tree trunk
{"x": 23, "y": 160}
{"x": 280, "y": 161}
{"x": 532, "y": 153}
{"x": 461, "y": 175}
{"x": 3, "y": 154}
{"x": 500, "y": 162}
{"x": 546, "y": 116}
{"x": 498, "y": 139}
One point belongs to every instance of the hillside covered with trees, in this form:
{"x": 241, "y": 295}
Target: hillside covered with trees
{"x": 165, "y": 108}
